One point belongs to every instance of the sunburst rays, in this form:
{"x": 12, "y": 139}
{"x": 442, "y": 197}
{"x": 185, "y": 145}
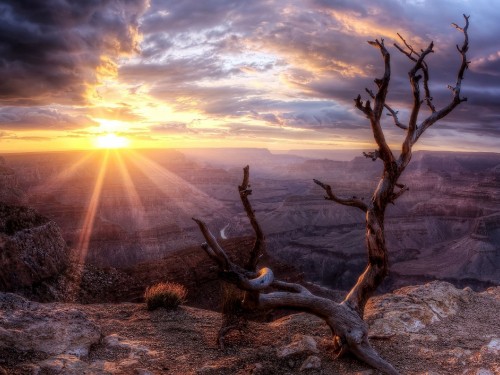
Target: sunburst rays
{"x": 62, "y": 178}
{"x": 146, "y": 206}
{"x": 89, "y": 219}
{"x": 135, "y": 203}
{"x": 183, "y": 195}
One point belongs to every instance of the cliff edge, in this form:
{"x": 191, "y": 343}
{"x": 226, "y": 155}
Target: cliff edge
{"x": 428, "y": 329}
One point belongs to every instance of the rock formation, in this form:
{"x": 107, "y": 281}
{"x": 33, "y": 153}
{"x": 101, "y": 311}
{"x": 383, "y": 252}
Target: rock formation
{"x": 428, "y": 329}
{"x": 32, "y": 248}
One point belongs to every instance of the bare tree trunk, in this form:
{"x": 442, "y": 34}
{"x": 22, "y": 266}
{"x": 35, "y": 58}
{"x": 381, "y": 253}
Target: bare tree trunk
{"x": 263, "y": 291}
{"x": 378, "y": 266}
{"x": 234, "y": 316}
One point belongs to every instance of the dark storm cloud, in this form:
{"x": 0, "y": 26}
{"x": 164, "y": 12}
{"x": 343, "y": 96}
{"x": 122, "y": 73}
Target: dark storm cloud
{"x": 39, "y": 118}
{"x": 50, "y": 50}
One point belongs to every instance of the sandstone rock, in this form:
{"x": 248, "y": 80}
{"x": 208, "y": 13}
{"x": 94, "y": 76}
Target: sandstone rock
{"x": 62, "y": 364}
{"x": 494, "y": 346}
{"x": 299, "y": 345}
{"x": 48, "y": 328}
{"x": 410, "y": 309}
{"x": 32, "y": 248}
{"x": 311, "y": 362}
{"x": 134, "y": 348}
{"x": 483, "y": 371}
{"x": 493, "y": 291}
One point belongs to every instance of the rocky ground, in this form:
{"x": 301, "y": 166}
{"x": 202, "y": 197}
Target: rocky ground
{"x": 428, "y": 329}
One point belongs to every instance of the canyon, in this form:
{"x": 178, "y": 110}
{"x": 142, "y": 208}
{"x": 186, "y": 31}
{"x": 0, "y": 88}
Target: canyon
{"x": 131, "y": 210}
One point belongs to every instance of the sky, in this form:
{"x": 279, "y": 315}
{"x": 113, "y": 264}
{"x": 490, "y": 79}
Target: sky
{"x": 220, "y": 73}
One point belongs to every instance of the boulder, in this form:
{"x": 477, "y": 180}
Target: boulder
{"x": 311, "y": 362}
{"x": 31, "y": 246}
{"x": 300, "y": 344}
{"x": 410, "y": 309}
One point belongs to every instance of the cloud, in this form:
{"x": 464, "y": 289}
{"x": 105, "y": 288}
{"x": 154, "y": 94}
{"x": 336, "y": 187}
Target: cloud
{"x": 177, "y": 71}
{"x": 171, "y": 128}
{"x": 53, "y": 51}
{"x": 489, "y": 65}
{"x": 40, "y": 118}
{"x": 123, "y": 112}
{"x": 5, "y": 136}
{"x": 260, "y": 66}
{"x": 318, "y": 48}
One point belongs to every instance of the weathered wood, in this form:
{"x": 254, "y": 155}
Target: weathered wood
{"x": 343, "y": 321}
{"x": 259, "y": 246}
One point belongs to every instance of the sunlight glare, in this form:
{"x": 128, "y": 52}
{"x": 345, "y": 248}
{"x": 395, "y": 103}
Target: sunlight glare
{"x": 111, "y": 140}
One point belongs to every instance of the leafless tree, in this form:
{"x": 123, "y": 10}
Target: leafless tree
{"x": 263, "y": 291}
{"x": 234, "y": 316}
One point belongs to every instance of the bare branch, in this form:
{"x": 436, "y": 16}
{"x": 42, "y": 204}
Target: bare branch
{"x": 353, "y": 202}
{"x": 415, "y": 86}
{"x": 209, "y": 251}
{"x": 365, "y": 108}
{"x": 458, "y": 27}
{"x": 402, "y": 189}
{"x": 296, "y": 288}
{"x": 383, "y": 85}
{"x": 265, "y": 277}
{"x": 456, "y": 99}
{"x": 414, "y": 56}
{"x": 259, "y": 244}
{"x": 408, "y": 54}
{"x": 372, "y": 155}
{"x": 414, "y": 81}
{"x": 366, "y": 352}
{"x": 392, "y": 112}
{"x": 217, "y": 250}
{"x": 428, "y": 97}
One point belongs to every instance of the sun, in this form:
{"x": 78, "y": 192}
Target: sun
{"x": 111, "y": 140}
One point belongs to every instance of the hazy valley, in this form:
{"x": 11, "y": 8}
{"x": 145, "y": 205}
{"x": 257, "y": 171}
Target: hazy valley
{"x": 131, "y": 208}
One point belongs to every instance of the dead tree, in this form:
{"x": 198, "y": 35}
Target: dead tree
{"x": 235, "y": 317}
{"x": 350, "y": 333}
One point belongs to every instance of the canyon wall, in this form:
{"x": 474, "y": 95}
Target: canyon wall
{"x": 128, "y": 208}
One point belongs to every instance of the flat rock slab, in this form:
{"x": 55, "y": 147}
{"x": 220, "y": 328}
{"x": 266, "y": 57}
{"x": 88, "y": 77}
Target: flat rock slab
{"x": 52, "y": 329}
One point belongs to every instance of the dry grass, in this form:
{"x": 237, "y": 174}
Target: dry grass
{"x": 168, "y": 295}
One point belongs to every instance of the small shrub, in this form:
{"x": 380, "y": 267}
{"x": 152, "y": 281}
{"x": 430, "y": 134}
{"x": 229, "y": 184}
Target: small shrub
{"x": 168, "y": 295}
